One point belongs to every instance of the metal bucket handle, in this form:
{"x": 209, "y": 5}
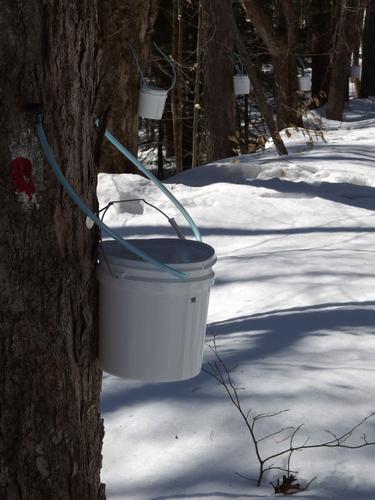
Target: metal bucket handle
{"x": 103, "y": 211}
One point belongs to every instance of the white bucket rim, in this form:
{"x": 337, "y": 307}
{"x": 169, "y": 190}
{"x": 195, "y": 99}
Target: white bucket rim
{"x": 192, "y": 257}
{"x": 120, "y": 279}
{"x": 155, "y": 91}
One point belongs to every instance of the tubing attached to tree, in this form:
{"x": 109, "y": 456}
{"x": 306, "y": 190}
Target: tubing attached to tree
{"x": 86, "y": 210}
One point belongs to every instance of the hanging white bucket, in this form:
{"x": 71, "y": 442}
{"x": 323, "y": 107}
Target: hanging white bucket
{"x": 355, "y": 72}
{"x": 304, "y": 83}
{"x": 151, "y": 102}
{"x": 241, "y": 84}
{"x": 152, "y": 325}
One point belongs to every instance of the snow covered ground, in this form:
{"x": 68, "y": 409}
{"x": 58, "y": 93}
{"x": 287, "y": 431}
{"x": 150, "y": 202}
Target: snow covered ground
{"x": 293, "y": 309}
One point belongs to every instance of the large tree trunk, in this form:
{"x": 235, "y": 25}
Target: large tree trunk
{"x": 368, "y": 55}
{"x": 347, "y": 15}
{"x": 219, "y": 100}
{"x": 123, "y": 22}
{"x": 50, "y": 427}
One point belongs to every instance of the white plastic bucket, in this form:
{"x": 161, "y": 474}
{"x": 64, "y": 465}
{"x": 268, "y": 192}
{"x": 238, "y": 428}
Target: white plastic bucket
{"x": 241, "y": 84}
{"x": 355, "y": 72}
{"x": 151, "y": 102}
{"x": 152, "y": 325}
{"x": 304, "y": 83}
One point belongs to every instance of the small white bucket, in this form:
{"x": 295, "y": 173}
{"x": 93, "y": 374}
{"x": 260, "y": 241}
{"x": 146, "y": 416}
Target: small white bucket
{"x": 152, "y": 325}
{"x": 355, "y": 72}
{"x": 304, "y": 83}
{"x": 151, "y": 102}
{"x": 241, "y": 84}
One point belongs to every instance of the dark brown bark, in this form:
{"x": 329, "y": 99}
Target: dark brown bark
{"x": 50, "y": 428}
{"x": 347, "y": 15}
{"x": 322, "y": 35}
{"x": 281, "y": 44}
{"x": 368, "y": 54}
{"x": 285, "y": 66}
{"x": 123, "y": 22}
{"x": 219, "y": 100}
{"x": 258, "y": 89}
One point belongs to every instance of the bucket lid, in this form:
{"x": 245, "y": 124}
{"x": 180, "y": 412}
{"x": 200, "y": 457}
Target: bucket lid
{"x": 176, "y": 252}
{"x": 146, "y": 89}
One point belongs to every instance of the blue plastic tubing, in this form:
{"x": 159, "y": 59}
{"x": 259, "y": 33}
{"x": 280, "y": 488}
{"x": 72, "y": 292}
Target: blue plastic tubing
{"x": 89, "y": 213}
{"x": 156, "y": 181}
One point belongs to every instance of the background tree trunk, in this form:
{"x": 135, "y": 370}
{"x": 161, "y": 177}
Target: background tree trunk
{"x": 123, "y": 22}
{"x": 197, "y": 87}
{"x": 368, "y": 54}
{"x": 177, "y": 102}
{"x": 219, "y": 100}
{"x": 281, "y": 44}
{"x": 347, "y": 14}
{"x": 190, "y": 21}
{"x": 260, "y": 96}
{"x": 322, "y": 35}
{"x": 51, "y": 431}
{"x": 285, "y": 66}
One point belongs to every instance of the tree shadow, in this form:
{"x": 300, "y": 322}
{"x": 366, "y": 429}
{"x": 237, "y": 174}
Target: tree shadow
{"x": 344, "y": 193}
{"x": 137, "y": 231}
{"x": 274, "y": 332}
{"x": 267, "y": 334}
{"x": 214, "y": 494}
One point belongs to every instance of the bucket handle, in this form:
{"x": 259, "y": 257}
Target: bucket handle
{"x": 171, "y": 220}
{"x": 105, "y": 209}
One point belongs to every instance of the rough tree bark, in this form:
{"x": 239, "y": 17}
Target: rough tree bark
{"x": 347, "y": 14}
{"x": 280, "y": 42}
{"x": 368, "y": 55}
{"x": 50, "y": 428}
{"x": 219, "y": 100}
{"x": 123, "y": 22}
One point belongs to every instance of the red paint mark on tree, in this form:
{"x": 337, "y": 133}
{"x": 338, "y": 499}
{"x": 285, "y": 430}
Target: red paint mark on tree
{"x": 22, "y": 176}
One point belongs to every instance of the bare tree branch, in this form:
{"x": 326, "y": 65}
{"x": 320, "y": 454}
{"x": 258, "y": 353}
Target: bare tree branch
{"x": 219, "y": 372}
